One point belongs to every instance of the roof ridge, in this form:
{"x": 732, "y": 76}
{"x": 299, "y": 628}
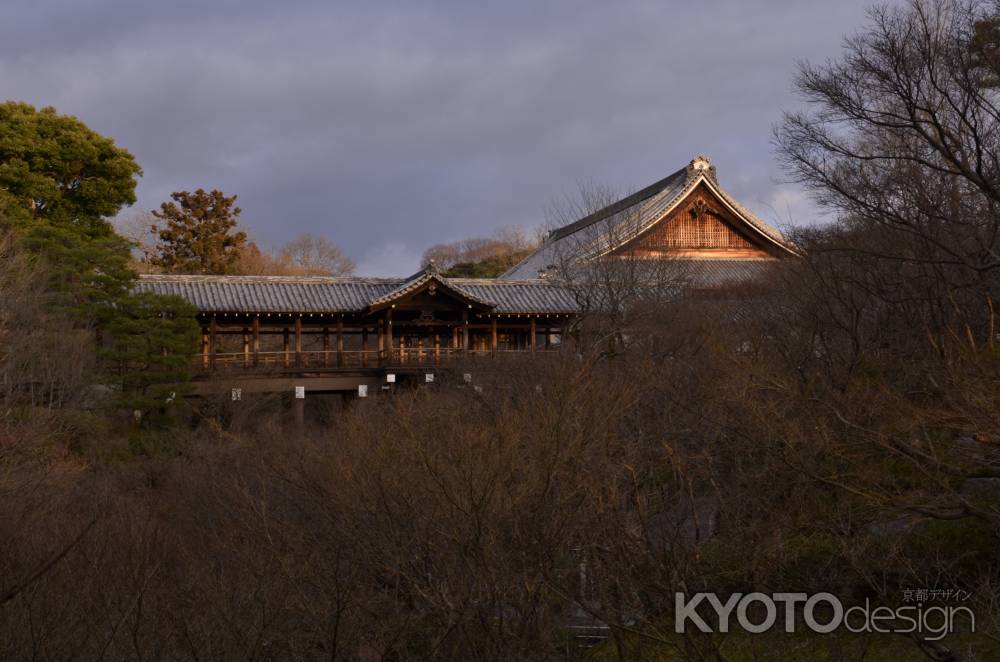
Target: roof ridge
{"x": 617, "y": 206}
{"x": 253, "y": 278}
{"x": 500, "y": 281}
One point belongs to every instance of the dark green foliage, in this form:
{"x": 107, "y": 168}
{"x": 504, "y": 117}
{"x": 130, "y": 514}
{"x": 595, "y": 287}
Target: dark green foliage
{"x": 54, "y": 169}
{"x": 152, "y": 343}
{"x": 85, "y": 275}
{"x": 59, "y": 181}
{"x": 198, "y": 233}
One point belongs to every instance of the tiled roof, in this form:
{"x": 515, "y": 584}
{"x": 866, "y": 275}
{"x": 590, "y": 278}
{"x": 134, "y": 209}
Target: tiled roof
{"x": 622, "y": 221}
{"x": 421, "y": 278}
{"x": 701, "y": 274}
{"x": 314, "y": 294}
{"x": 519, "y": 296}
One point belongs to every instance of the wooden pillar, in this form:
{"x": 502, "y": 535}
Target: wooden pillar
{"x": 298, "y": 340}
{"x": 213, "y": 329}
{"x": 204, "y": 348}
{"x": 548, "y": 337}
{"x": 388, "y": 333}
{"x": 246, "y": 347}
{"x": 256, "y": 340}
{"x": 364, "y": 347}
{"x": 340, "y": 341}
{"x": 381, "y": 341}
{"x": 326, "y": 346}
{"x": 454, "y": 337}
{"x": 402, "y": 349}
{"x": 534, "y": 331}
{"x": 465, "y": 329}
{"x": 493, "y": 335}
{"x": 420, "y": 350}
{"x": 286, "y": 345}
{"x": 437, "y": 348}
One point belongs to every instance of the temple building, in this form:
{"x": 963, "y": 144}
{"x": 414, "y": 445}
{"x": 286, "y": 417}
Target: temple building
{"x": 686, "y": 218}
{"x": 315, "y": 323}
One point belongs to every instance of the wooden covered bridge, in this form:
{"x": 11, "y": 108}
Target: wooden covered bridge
{"x": 337, "y": 333}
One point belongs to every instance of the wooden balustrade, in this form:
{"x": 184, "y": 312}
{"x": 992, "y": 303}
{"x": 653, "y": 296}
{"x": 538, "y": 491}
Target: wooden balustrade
{"x": 345, "y": 359}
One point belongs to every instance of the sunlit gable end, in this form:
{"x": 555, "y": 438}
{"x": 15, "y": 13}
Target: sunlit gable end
{"x": 685, "y": 216}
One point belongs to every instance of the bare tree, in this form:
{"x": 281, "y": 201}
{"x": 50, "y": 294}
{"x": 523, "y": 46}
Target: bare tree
{"x": 904, "y": 136}
{"x": 497, "y": 254}
{"x": 617, "y": 291}
{"x": 45, "y": 355}
{"x": 312, "y": 255}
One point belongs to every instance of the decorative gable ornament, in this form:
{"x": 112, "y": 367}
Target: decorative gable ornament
{"x": 701, "y": 165}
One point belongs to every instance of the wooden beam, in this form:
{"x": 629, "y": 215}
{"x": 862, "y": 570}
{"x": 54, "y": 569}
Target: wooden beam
{"x": 204, "y": 348}
{"x": 381, "y": 340}
{"x": 340, "y": 342}
{"x": 493, "y": 336}
{"x": 298, "y": 340}
{"x": 465, "y": 329}
{"x": 388, "y": 333}
{"x": 213, "y": 327}
{"x": 256, "y": 340}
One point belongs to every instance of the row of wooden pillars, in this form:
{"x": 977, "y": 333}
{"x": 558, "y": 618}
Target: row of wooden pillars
{"x": 386, "y": 345}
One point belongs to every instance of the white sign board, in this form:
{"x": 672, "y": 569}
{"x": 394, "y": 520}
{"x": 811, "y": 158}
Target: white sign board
{"x": 300, "y": 392}
{"x": 467, "y": 377}
{"x": 390, "y": 378}
{"x": 429, "y": 377}
{"x": 237, "y": 394}
{"x": 362, "y": 390}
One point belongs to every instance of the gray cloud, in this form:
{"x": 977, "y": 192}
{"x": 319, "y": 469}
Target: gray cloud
{"x": 390, "y": 127}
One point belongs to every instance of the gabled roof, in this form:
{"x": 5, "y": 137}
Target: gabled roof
{"x": 424, "y": 278}
{"x": 610, "y": 228}
{"x": 672, "y": 182}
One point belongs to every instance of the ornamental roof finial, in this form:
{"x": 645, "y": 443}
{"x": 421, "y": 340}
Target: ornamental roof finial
{"x": 701, "y": 165}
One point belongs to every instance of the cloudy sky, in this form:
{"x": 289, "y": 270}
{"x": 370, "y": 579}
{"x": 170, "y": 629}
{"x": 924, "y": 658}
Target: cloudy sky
{"x": 392, "y": 126}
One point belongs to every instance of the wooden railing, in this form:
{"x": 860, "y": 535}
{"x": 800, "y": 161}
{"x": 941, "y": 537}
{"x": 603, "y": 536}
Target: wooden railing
{"x": 347, "y": 359}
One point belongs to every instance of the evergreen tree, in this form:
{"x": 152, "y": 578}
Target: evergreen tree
{"x": 59, "y": 181}
{"x": 199, "y": 233}
{"x": 55, "y": 170}
{"x": 151, "y": 346}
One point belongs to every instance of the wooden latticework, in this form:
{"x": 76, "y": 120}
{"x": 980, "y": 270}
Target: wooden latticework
{"x": 697, "y": 227}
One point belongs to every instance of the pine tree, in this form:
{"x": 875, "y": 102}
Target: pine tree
{"x": 152, "y": 341}
{"x": 59, "y": 182}
{"x": 198, "y": 233}
{"x": 55, "y": 170}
